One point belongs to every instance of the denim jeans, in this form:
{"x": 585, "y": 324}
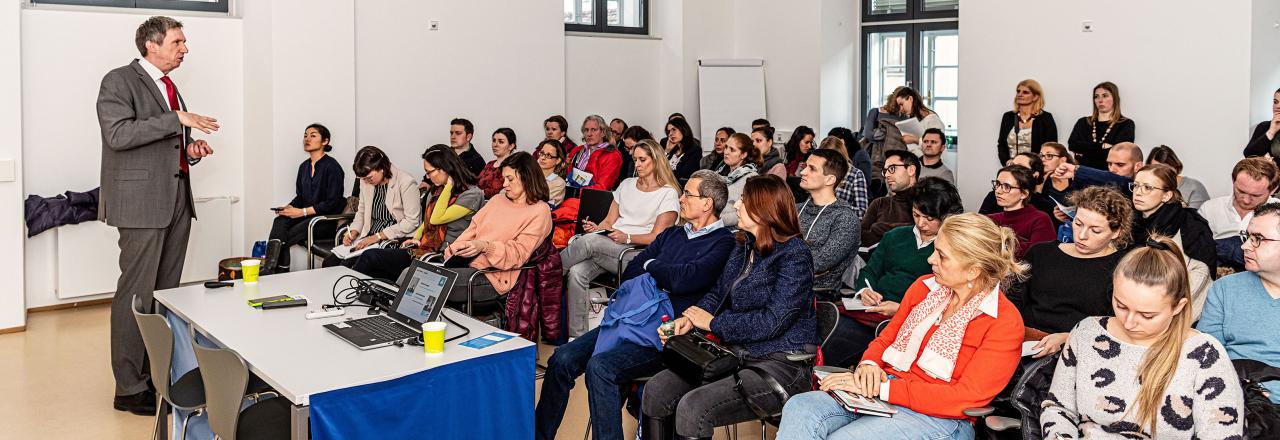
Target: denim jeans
{"x": 817, "y": 415}
{"x": 697, "y": 410}
{"x": 606, "y": 374}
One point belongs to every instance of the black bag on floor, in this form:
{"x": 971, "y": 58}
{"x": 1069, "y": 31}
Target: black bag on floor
{"x": 1261, "y": 416}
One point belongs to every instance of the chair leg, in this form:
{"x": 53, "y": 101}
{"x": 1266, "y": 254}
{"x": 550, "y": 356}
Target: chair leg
{"x": 763, "y": 425}
{"x": 183, "y": 434}
{"x": 155, "y": 430}
{"x": 587, "y": 435}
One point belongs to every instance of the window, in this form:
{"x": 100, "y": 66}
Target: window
{"x": 180, "y": 5}
{"x": 899, "y": 10}
{"x": 607, "y": 16}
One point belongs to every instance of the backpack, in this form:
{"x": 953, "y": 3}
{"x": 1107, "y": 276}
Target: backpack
{"x": 634, "y": 315}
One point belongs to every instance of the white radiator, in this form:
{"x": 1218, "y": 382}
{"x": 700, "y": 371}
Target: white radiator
{"x": 88, "y": 255}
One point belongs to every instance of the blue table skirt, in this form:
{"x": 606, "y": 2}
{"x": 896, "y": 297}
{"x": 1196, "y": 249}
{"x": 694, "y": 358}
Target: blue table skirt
{"x": 483, "y": 398}
{"x": 490, "y": 397}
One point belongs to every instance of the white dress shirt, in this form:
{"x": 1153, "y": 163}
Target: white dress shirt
{"x": 1223, "y": 219}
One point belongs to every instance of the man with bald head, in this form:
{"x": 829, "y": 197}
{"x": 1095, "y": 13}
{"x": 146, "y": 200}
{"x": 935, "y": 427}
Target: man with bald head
{"x": 1125, "y": 159}
{"x": 1123, "y": 162}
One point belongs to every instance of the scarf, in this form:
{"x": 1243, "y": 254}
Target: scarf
{"x": 736, "y": 175}
{"x": 432, "y": 236}
{"x": 938, "y": 358}
{"x": 1167, "y": 220}
{"x": 584, "y": 156}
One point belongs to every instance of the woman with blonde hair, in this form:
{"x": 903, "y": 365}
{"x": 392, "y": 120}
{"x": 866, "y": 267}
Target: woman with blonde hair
{"x": 1145, "y": 373}
{"x": 643, "y": 206}
{"x": 1027, "y": 126}
{"x": 953, "y": 344}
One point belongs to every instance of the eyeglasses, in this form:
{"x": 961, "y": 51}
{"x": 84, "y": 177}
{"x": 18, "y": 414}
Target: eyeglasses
{"x": 548, "y": 156}
{"x": 1143, "y": 188}
{"x": 689, "y": 194}
{"x": 1049, "y": 156}
{"x": 430, "y": 171}
{"x": 1255, "y": 239}
{"x": 368, "y": 178}
{"x": 999, "y": 186}
{"x": 890, "y": 169}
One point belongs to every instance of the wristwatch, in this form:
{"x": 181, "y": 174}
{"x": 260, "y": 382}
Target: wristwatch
{"x": 628, "y": 238}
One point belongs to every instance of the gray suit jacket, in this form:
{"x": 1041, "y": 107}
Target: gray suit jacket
{"x": 141, "y": 141}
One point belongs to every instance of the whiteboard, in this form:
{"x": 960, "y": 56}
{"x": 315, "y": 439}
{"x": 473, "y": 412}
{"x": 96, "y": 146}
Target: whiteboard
{"x": 730, "y": 94}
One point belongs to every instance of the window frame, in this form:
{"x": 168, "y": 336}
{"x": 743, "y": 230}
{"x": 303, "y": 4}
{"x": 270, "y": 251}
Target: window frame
{"x": 601, "y": 20}
{"x": 220, "y": 6}
{"x": 915, "y": 11}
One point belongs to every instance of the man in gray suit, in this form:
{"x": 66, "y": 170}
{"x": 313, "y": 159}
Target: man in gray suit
{"x": 146, "y": 154}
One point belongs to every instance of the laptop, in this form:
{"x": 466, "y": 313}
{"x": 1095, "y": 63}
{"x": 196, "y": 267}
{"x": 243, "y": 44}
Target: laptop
{"x": 421, "y": 299}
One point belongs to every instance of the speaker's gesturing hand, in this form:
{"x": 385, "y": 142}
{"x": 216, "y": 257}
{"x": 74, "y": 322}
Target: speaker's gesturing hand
{"x": 203, "y": 123}
{"x": 199, "y": 149}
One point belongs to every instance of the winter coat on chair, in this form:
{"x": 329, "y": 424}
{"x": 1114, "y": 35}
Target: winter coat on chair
{"x": 534, "y": 303}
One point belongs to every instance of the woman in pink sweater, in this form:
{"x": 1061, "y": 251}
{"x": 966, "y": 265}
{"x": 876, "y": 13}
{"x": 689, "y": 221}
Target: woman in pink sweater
{"x": 505, "y": 232}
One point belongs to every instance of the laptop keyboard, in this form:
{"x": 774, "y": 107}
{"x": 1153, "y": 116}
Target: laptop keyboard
{"x": 384, "y": 329}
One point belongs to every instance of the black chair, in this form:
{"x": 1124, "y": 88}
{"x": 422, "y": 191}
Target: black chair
{"x": 323, "y": 247}
{"x": 1029, "y": 391}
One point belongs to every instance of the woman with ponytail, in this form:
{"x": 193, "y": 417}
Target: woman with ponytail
{"x": 1145, "y": 373}
{"x": 953, "y": 344}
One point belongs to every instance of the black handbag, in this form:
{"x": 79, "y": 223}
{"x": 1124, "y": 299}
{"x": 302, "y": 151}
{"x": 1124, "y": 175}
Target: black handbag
{"x": 697, "y": 359}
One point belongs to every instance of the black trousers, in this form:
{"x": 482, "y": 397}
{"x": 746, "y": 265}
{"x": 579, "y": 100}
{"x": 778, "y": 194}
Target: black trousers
{"x": 699, "y": 409}
{"x": 293, "y": 231}
{"x": 386, "y": 264}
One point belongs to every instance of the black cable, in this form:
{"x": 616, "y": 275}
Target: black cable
{"x": 465, "y": 330}
{"x": 347, "y": 297}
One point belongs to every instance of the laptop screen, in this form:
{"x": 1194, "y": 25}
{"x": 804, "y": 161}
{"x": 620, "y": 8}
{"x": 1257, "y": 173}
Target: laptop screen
{"x": 422, "y": 292}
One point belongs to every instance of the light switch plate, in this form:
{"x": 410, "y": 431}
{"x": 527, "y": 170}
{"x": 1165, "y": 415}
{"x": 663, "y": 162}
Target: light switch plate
{"x": 7, "y": 171}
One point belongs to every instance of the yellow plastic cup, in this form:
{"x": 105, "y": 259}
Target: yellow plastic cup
{"x": 249, "y": 268}
{"x": 433, "y": 337}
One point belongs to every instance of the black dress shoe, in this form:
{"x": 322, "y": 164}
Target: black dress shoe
{"x": 143, "y": 404}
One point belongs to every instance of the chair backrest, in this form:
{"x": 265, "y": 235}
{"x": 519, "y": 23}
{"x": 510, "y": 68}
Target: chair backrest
{"x": 1031, "y": 390}
{"x": 828, "y": 315}
{"x": 225, "y": 377}
{"x": 157, "y": 336}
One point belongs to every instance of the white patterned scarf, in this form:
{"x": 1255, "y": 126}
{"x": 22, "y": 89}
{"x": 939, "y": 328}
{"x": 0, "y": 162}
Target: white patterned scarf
{"x": 938, "y": 358}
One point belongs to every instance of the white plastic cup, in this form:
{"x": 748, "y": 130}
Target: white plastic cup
{"x": 249, "y": 270}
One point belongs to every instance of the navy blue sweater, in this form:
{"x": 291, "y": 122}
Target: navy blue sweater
{"x": 322, "y": 190}
{"x": 684, "y": 268}
{"x": 771, "y": 309}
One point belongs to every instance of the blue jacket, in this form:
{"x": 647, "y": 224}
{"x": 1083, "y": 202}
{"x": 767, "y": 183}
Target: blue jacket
{"x": 684, "y": 268}
{"x": 771, "y": 309}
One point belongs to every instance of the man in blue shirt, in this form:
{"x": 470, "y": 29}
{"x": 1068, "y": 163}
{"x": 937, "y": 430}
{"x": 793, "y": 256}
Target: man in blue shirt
{"x": 685, "y": 261}
{"x": 1243, "y": 309}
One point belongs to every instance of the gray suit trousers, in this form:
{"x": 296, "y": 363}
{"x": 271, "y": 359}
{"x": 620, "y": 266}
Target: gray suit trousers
{"x": 150, "y": 259}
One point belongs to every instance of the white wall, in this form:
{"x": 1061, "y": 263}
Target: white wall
{"x": 787, "y": 35}
{"x": 615, "y": 78}
{"x": 839, "y": 71}
{"x": 1265, "y": 68}
{"x": 12, "y": 300}
{"x": 61, "y": 142}
{"x": 498, "y": 64}
{"x": 1173, "y": 61}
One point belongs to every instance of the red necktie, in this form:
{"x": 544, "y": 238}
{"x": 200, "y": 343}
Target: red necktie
{"x": 173, "y": 105}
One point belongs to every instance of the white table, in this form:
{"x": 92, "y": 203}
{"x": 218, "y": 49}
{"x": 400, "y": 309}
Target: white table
{"x": 297, "y": 356}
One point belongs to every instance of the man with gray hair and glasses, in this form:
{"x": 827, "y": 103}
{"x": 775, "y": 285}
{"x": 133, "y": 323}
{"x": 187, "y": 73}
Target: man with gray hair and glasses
{"x": 684, "y": 261}
{"x": 147, "y": 152}
{"x": 595, "y": 164}
{"x": 1241, "y": 309}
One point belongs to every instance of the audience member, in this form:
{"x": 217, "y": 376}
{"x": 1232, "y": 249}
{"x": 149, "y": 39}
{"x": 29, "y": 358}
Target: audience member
{"x": 642, "y": 208}
{"x": 595, "y": 164}
{"x": 448, "y": 208}
{"x": 911, "y": 105}
{"x": 1094, "y": 135}
{"x": 504, "y": 233}
{"x": 1028, "y": 126}
{"x": 683, "y": 150}
{"x": 858, "y": 156}
{"x": 490, "y": 178}
{"x": 825, "y": 218}
{"x": 551, "y": 161}
{"x": 388, "y": 207}
{"x": 557, "y": 129}
{"x": 684, "y": 262}
{"x": 1123, "y": 162}
{"x": 1264, "y": 141}
{"x": 1068, "y": 282}
{"x": 1013, "y": 189}
{"x": 773, "y": 160}
{"x": 714, "y": 160}
{"x": 1144, "y": 373}
{"x": 1193, "y": 192}
{"x": 1125, "y": 159}
{"x": 1156, "y": 200}
{"x": 1056, "y": 189}
{"x": 901, "y": 168}
{"x": 1240, "y": 310}
{"x": 853, "y": 189}
{"x": 460, "y": 133}
{"x": 617, "y": 126}
{"x": 875, "y": 127}
{"x": 955, "y": 345}
{"x": 318, "y": 191}
{"x": 1037, "y": 200}
{"x": 932, "y": 144}
{"x": 1253, "y": 180}
{"x": 630, "y": 137}
{"x": 760, "y": 122}
{"x": 762, "y": 306}
{"x": 741, "y": 159}
{"x": 797, "y": 148}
